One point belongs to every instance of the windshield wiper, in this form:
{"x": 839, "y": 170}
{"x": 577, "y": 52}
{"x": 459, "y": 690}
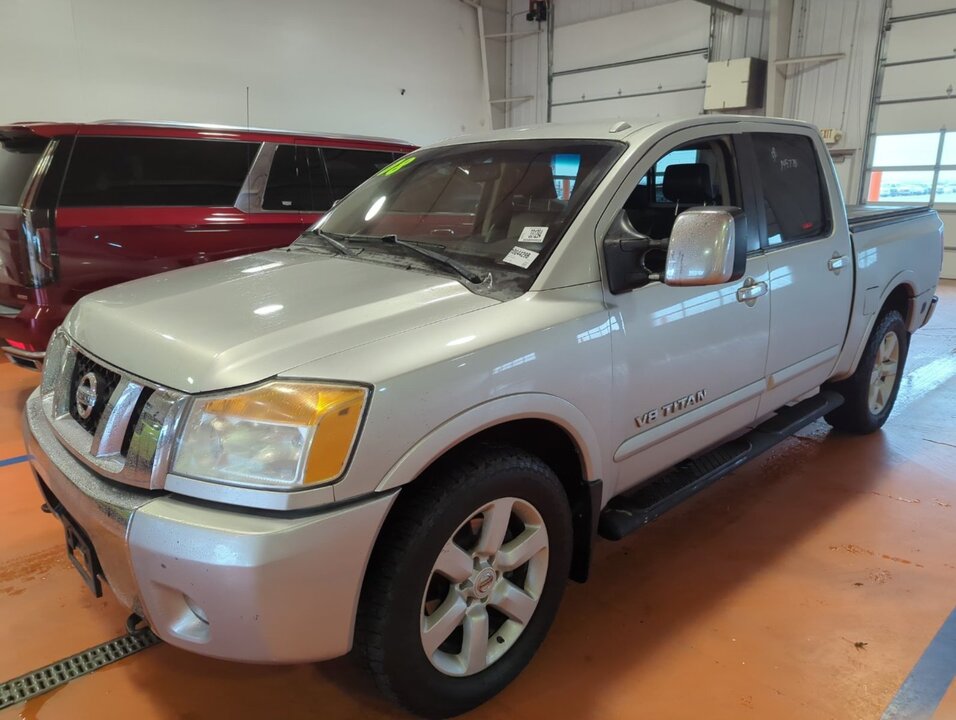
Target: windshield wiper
{"x": 337, "y": 244}
{"x": 437, "y": 257}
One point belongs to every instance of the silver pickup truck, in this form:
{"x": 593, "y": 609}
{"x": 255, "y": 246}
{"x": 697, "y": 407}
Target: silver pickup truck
{"x": 404, "y": 432}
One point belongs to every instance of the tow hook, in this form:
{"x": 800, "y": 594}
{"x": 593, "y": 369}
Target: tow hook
{"x": 133, "y": 623}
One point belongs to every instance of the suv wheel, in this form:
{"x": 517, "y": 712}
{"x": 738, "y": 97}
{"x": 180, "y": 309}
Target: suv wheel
{"x": 465, "y": 581}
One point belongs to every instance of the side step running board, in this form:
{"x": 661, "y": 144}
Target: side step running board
{"x": 627, "y": 513}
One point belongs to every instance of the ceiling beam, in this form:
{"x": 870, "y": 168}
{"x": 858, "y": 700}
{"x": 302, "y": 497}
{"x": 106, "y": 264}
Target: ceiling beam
{"x": 725, "y": 7}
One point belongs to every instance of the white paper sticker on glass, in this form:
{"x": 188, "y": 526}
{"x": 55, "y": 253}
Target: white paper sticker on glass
{"x": 522, "y": 257}
{"x": 532, "y": 234}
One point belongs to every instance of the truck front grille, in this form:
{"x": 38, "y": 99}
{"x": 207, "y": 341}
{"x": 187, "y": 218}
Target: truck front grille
{"x": 119, "y": 425}
{"x": 103, "y": 380}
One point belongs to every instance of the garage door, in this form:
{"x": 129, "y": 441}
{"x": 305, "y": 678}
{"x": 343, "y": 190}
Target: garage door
{"x": 646, "y": 63}
{"x": 913, "y": 143}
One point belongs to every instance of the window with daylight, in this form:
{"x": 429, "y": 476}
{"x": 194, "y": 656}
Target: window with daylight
{"x": 564, "y": 168}
{"x": 917, "y": 168}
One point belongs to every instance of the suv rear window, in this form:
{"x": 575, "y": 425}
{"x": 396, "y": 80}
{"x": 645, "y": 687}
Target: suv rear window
{"x": 793, "y": 188}
{"x": 17, "y": 161}
{"x": 107, "y": 171}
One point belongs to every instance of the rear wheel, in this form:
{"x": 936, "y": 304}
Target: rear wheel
{"x": 465, "y": 581}
{"x": 870, "y": 392}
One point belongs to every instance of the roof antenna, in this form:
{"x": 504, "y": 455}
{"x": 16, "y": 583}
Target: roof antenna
{"x": 248, "y": 124}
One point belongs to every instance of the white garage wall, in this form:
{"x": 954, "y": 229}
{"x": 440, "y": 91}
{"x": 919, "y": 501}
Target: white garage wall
{"x": 316, "y": 65}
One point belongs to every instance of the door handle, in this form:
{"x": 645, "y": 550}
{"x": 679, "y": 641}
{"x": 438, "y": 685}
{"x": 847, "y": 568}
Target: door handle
{"x": 751, "y": 291}
{"x": 837, "y": 263}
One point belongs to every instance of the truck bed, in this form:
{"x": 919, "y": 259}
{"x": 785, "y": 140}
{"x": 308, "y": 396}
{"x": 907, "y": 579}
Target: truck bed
{"x": 865, "y": 217}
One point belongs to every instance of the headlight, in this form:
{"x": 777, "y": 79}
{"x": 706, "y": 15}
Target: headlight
{"x": 280, "y": 435}
{"x": 53, "y": 361}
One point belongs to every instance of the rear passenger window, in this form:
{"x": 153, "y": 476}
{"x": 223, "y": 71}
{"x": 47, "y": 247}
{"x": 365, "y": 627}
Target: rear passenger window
{"x": 348, "y": 169}
{"x": 300, "y": 176}
{"x": 288, "y": 187}
{"x": 793, "y": 188}
{"x": 112, "y": 171}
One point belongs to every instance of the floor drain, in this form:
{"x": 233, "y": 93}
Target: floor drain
{"x": 61, "y": 672}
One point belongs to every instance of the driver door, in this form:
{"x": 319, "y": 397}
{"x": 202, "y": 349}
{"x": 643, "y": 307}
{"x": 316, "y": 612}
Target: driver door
{"x": 688, "y": 362}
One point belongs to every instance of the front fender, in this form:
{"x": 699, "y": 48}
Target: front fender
{"x": 523, "y": 406}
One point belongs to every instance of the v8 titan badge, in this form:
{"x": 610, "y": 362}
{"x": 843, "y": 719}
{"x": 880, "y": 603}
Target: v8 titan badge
{"x": 671, "y": 408}
{"x": 522, "y": 257}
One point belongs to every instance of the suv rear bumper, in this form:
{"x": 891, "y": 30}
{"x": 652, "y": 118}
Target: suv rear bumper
{"x": 233, "y": 585}
{"x": 30, "y": 325}
{"x": 30, "y": 359}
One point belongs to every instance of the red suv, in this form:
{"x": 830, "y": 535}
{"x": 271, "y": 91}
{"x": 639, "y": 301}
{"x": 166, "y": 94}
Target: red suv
{"x": 84, "y": 206}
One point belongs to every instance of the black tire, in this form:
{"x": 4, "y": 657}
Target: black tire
{"x": 855, "y": 415}
{"x": 427, "y": 515}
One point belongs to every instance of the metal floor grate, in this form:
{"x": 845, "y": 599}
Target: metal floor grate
{"x": 61, "y": 672}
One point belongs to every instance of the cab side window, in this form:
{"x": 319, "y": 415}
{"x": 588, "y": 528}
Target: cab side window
{"x": 703, "y": 172}
{"x": 794, "y": 192}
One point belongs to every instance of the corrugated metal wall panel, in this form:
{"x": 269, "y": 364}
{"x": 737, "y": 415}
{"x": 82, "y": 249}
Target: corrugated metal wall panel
{"x": 744, "y": 35}
{"x": 603, "y": 80}
{"x": 571, "y": 12}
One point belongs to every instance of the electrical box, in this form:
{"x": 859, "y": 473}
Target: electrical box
{"x": 735, "y": 84}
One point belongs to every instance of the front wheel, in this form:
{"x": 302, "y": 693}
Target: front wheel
{"x": 869, "y": 394}
{"x": 465, "y": 581}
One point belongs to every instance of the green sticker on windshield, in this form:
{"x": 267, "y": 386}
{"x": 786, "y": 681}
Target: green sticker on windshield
{"x": 396, "y": 166}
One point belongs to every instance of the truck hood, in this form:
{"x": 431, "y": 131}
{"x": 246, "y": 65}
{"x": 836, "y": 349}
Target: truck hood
{"x": 242, "y": 320}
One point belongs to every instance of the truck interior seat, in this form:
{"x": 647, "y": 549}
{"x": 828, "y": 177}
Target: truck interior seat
{"x": 533, "y": 202}
{"x": 688, "y": 184}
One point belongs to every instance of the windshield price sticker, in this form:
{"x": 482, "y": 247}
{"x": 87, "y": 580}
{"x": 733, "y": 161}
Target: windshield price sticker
{"x": 522, "y": 257}
{"x": 532, "y": 234}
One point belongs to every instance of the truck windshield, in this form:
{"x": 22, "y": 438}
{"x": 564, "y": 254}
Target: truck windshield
{"x": 496, "y": 208}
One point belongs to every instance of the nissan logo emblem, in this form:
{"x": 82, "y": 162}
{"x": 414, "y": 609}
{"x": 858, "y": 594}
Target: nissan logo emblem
{"x": 86, "y": 395}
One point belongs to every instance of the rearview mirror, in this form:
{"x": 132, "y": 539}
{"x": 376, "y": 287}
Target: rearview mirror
{"x": 708, "y": 246}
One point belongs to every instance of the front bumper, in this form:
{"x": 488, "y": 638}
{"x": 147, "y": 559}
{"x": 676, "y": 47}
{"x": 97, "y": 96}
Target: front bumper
{"x": 235, "y": 585}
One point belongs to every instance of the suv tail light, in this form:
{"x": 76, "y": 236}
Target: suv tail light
{"x": 39, "y": 260}
{"x": 37, "y": 238}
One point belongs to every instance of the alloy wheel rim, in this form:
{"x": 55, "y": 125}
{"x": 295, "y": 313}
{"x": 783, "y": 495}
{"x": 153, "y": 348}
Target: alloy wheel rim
{"x": 484, "y": 587}
{"x": 883, "y": 374}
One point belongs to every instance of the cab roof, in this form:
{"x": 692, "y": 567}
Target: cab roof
{"x": 620, "y": 129}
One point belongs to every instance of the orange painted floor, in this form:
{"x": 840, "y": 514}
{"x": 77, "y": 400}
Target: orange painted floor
{"x": 805, "y": 585}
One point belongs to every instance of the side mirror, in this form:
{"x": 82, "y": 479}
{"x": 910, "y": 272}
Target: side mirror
{"x": 708, "y": 246}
